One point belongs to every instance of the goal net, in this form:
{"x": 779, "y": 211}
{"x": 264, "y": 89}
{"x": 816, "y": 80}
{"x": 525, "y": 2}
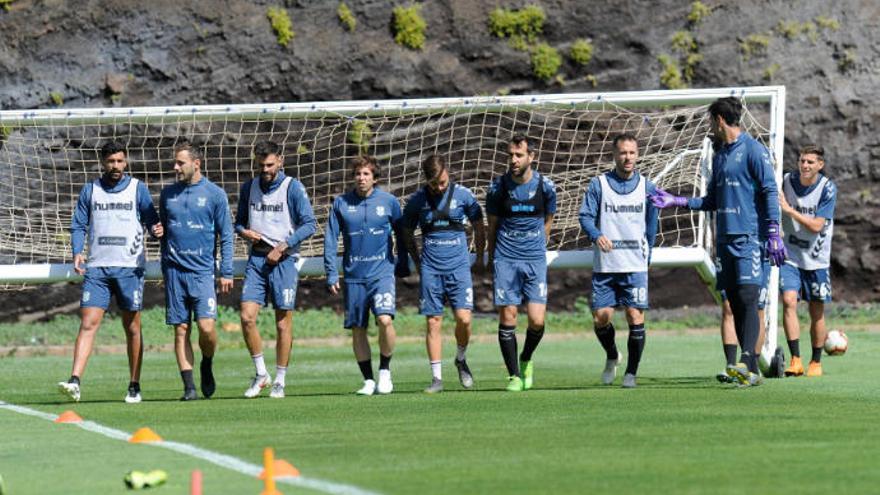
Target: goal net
{"x": 47, "y": 155}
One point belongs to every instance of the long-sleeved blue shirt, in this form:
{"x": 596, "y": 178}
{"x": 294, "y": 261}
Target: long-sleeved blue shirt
{"x": 82, "y": 215}
{"x": 442, "y": 250}
{"x": 520, "y": 237}
{"x": 193, "y": 216}
{"x": 301, "y": 214}
{"x": 589, "y": 214}
{"x": 742, "y": 189}
{"x": 367, "y": 226}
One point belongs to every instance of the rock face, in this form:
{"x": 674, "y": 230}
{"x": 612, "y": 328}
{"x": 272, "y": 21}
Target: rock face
{"x": 126, "y": 53}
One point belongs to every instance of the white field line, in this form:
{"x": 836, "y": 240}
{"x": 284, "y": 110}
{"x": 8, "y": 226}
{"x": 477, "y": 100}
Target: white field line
{"x": 221, "y": 460}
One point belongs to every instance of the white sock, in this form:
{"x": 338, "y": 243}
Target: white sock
{"x": 260, "y": 364}
{"x": 437, "y": 369}
{"x": 459, "y": 354}
{"x": 280, "y": 373}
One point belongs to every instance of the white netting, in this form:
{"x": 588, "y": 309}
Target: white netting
{"x": 44, "y": 165}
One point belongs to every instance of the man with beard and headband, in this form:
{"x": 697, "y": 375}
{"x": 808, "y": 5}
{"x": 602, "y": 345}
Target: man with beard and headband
{"x": 111, "y": 212}
{"x": 520, "y": 206}
{"x": 622, "y": 223}
{"x": 743, "y": 194}
{"x": 195, "y": 212}
{"x": 274, "y": 216}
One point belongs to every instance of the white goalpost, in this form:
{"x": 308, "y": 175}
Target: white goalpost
{"x": 47, "y": 155}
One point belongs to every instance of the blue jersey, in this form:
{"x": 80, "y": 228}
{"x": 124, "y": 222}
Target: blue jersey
{"x": 590, "y": 215}
{"x": 441, "y": 220}
{"x": 301, "y": 214}
{"x": 193, "y": 216}
{"x": 827, "y": 200}
{"x": 521, "y": 209}
{"x": 82, "y": 216}
{"x": 367, "y": 225}
{"x": 742, "y": 190}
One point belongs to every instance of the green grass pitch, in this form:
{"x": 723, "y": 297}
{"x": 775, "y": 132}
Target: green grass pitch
{"x": 678, "y": 432}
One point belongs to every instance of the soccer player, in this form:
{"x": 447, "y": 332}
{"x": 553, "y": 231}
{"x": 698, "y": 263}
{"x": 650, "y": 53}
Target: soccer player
{"x": 807, "y": 203}
{"x": 111, "y": 212}
{"x": 520, "y": 205}
{"x": 366, "y": 216}
{"x": 441, "y": 210}
{"x": 194, "y": 212}
{"x": 274, "y": 216}
{"x": 741, "y": 186}
{"x": 622, "y": 223}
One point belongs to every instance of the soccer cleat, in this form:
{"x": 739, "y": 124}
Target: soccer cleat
{"x": 368, "y": 389}
{"x": 610, "y": 371}
{"x": 189, "y": 394}
{"x": 629, "y": 380}
{"x": 208, "y": 385}
{"x": 133, "y": 396}
{"x": 70, "y": 390}
{"x": 258, "y": 383}
{"x": 738, "y": 372}
{"x": 528, "y": 374}
{"x": 384, "y": 386}
{"x": 277, "y": 391}
{"x": 814, "y": 369}
{"x": 723, "y": 377}
{"x": 436, "y": 386}
{"x": 795, "y": 367}
{"x": 464, "y": 374}
{"x": 752, "y": 380}
{"x": 514, "y": 384}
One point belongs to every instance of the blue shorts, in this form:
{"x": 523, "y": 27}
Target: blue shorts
{"x": 739, "y": 262}
{"x": 187, "y": 293}
{"x": 518, "y": 282}
{"x": 765, "y": 282}
{"x": 124, "y": 283}
{"x": 620, "y": 289}
{"x": 435, "y": 288}
{"x": 264, "y": 282}
{"x": 377, "y": 296}
{"x": 811, "y": 285}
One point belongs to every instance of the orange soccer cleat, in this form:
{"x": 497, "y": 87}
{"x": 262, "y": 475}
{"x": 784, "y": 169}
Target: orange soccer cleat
{"x": 795, "y": 367}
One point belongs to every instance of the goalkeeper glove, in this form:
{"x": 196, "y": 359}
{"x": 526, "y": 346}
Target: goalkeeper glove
{"x": 662, "y": 199}
{"x": 775, "y": 246}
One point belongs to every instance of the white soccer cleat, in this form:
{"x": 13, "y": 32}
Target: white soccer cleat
{"x": 629, "y": 380}
{"x": 610, "y": 371}
{"x": 277, "y": 391}
{"x": 70, "y": 390}
{"x": 258, "y": 383}
{"x": 132, "y": 396}
{"x": 368, "y": 389}
{"x": 385, "y": 386}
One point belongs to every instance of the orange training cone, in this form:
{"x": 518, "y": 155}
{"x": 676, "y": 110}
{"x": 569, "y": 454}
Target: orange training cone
{"x": 68, "y": 417}
{"x": 281, "y": 468}
{"x": 145, "y": 435}
{"x": 195, "y": 483}
{"x": 269, "y": 471}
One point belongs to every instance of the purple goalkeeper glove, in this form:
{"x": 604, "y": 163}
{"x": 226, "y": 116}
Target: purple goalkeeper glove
{"x": 775, "y": 246}
{"x": 662, "y": 199}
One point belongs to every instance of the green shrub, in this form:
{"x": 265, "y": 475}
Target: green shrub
{"x": 57, "y": 98}
{"x": 409, "y": 27}
{"x": 302, "y": 149}
{"x": 590, "y": 78}
{"x": 5, "y": 131}
{"x": 346, "y": 17}
{"x": 545, "y": 61}
{"x": 581, "y": 52}
{"x": 683, "y": 41}
{"x": 698, "y": 12}
{"x": 671, "y": 76}
{"x": 847, "y": 61}
{"x": 828, "y": 23}
{"x": 771, "y": 71}
{"x": 690, "y": 65}
{"x": 521, "y": 26}
{"x": 754, "y": 45}
{"x": 281, "y": 25}
{"x": 5, "y": 4}
{"x": 360, "y": 133}
{"x": 793, "y": 29}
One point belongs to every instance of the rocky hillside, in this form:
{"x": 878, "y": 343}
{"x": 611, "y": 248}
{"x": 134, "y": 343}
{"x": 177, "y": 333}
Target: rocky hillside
{"x": 126, "y": 53}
